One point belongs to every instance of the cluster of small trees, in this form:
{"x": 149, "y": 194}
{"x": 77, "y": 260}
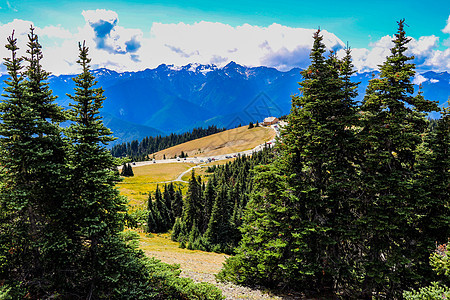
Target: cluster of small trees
{"x": 61, "y": 217}
{"x": 359, "y": 193}
{"x": 251, "y": 125}
{"x": 164, "y": 208}
{"x": 127, "y": 170}
{"x": 140, "y": 150}
{"x": 212, "y": 212}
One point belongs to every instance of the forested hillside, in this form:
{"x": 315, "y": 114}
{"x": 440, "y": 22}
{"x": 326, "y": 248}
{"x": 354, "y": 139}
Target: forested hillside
{"x": 210, "y": 215}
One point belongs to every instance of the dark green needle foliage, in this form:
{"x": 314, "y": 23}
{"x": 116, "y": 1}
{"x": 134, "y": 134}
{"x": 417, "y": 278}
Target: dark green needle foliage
{"x": 127, "y": 170}
{"x": 61, "y": 217}
{"x": 358, "y": 196}
{"x": 212, "y": 213}
{"x": 299, "y": 222}
{"x": 33, "y": 176}
{"x": 393, "y": 120}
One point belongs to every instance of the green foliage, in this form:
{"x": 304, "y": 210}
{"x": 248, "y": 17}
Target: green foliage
{"x": 433, "y": 292}
{"x": 296, "y": 219}
{"x": 164, "y": 210}
{"x": 216, "y": 208}
{"x": 170, "y": 286}
{"x": 127, "y": 170}
{"x": 136, "y": 218}
{"x": 440, "y": 261}
{"x": 33, "y": 177}
{"x": 61, "y": 217}
{"x": 355, "y": 199}
{"x": 437, "y": 290}
{"x": 398, "y": 239}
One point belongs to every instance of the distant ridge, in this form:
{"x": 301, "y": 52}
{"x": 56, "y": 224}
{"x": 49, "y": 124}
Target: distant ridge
{"x": 176, "y": 99}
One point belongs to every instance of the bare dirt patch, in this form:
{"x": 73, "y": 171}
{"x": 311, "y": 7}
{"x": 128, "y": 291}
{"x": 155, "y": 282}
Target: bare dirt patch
{"x": 198, "y": 265}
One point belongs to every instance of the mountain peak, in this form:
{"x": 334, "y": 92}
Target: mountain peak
{"x": 233, "y": 67}
{"x": 199, "y": 68}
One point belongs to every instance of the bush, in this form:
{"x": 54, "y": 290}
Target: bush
{"x": 171, "y": 286}
{"x": 437, "y": 290}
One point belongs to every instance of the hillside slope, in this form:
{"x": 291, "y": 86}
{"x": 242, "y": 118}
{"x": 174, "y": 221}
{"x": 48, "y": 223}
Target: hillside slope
{"x": 229, "y": 141}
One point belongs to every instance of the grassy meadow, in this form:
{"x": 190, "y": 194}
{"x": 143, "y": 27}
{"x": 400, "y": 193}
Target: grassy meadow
{"x": 230, "y": 141}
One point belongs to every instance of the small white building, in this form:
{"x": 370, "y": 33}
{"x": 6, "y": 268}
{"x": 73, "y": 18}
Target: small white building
{"x": 270, "y": 121}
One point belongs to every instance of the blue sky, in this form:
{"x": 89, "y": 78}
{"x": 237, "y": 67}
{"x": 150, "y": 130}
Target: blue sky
{"x": 139, "y": 34}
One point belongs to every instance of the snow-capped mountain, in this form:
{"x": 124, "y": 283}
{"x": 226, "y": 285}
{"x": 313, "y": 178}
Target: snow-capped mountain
{"x": 175, "y": 99}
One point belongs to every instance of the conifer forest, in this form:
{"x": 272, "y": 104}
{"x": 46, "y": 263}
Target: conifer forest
{"x": 352, "y": 202}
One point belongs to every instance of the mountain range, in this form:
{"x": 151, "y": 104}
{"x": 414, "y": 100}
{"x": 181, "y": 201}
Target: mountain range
{"x": 176, "y": 99}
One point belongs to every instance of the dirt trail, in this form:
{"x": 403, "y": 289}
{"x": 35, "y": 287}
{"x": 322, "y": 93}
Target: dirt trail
{"x": 200, "y": 266}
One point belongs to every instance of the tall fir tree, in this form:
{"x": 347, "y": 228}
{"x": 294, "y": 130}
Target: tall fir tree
{"x": 97, "y": 207}
{"x": 34, "y": 173}
{"x": 292, "y": 222}
{"x": 393, "y": 120}
{"x": 61, "y": 219}
{"x": 192, "y": 206}
{"x": 219, "y": 232}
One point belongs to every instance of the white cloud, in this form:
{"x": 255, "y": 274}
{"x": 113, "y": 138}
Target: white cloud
{"x": 434, "y": 80}
{"x": 447, "y": 27}
{"x": 423, "y": 49}
{"x": 419, "y": 79}
{"x": 21, "y": 29}
{"x": 55, "y": 32}
{"x": 367, "y": 60}
{"x": 439, "y": 60}
{"x": 119, "y": 48}
{"x": 100, "y": 16}
{"x": 423, "y": 46}
{"x": 206, "y": 42}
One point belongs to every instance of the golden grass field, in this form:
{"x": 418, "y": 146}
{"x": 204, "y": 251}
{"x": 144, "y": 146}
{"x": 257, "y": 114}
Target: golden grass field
{"x": 163, "y": 248}
{"x": 230, "y": 141}
{"x": 202, "y": 171}
{"x": 147, "y": 177}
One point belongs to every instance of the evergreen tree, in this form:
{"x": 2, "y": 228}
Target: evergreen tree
{"x": 219, "y": 232}
{"x": 61, "y": 219}
{"x": 294, "y": 220}
{"x": 393, "y": 121}
{"x": 164, "y": 222}
{"x": 96, "y": 206}
{"x": 177, "y": 205}
{"x": 153, "y": 215}
{"x": 192, "y": 207}
{"x": 127, "y": 170}
{"x": 33, "y": 175}
{"x": 209, "y": 199}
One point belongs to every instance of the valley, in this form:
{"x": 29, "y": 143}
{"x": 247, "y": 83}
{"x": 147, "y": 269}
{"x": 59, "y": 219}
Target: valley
{"x": 198, "y": 265}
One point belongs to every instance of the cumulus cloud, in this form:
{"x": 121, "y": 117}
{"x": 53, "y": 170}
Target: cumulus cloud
{"x": 55, "y": 32}
{"x": 128, "y": 49}
{"x": 419, "y": 79}
{"x": 447, "y": 27}
{"x": 108, "y": 35}
{"x": 21, "y": 29}
{"x": 204, "y": 42}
